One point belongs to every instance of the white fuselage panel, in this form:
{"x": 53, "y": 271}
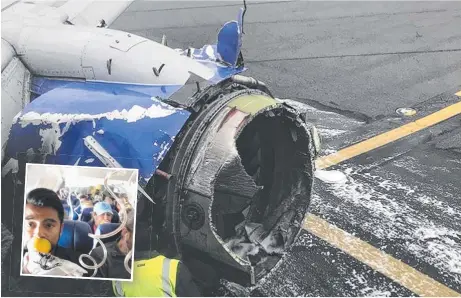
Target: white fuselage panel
{"x": 49, "y": 47}
{"x": 15, "y": 94}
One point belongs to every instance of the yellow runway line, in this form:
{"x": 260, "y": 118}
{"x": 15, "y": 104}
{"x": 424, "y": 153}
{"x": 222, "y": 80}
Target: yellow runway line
{"x": 387, "y": 265}
{"x": 388, "y": 137}
{"x": 396, "y": 270}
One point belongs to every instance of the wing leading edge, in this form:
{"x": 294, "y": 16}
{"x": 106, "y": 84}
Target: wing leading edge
{"x": 77, "y": 12}
{"x": 68, "y": 124}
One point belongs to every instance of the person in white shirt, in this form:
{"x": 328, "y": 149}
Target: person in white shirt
{"x": 44, "y": 219}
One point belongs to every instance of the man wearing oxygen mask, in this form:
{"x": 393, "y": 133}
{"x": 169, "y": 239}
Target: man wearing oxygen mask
{"x": 44, "y": 218}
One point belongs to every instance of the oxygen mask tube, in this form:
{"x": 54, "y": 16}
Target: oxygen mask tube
{"x": 123, "y": 216}
{"x": 71, "y": 206}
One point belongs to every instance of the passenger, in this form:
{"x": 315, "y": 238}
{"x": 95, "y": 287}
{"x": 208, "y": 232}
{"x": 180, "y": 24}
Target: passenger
{"x": 149, "y": 276}
{"x": 124, "y": 198}
{"x": 63, "y": 202}
{"x": 97, "y": 197}
{"x": 117, "y": 206}
{"x": 102, "y": 213}
{"x": 111, "y": 201}
{"x": 73, "y": 199}
{"x": 44, "y": 218}
{"x": 151, "y": 280}
{"x": 116, "y": 251}
{"x": 66, "y": 209}
{"x": 64, "y": 193}
{"x": 77, "y": 209}
{"x": 90, "y": 198}
{"x": 85, "y": 202}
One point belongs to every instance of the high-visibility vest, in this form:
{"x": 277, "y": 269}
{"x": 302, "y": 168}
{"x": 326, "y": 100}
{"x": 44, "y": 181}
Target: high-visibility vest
{"x": 155, "y": 277}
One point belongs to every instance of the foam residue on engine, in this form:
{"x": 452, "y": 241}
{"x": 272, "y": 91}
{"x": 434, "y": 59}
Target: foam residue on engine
{"x": 255, "y": 244}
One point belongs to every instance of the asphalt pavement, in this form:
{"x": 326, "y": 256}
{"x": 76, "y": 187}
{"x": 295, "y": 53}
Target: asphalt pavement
{"x": 366, "y": 58}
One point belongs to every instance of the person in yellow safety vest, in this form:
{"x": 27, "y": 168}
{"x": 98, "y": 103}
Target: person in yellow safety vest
{"x": 158, "y": 276}
{"x": 154, "y": 275}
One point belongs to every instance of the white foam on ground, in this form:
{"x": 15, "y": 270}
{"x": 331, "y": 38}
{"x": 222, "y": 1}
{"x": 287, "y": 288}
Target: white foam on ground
{"x": 328, "y": 151}
{"x": 410, "y": 164}
{"x": 290, "y": 278}
{"x": 328, "y": 132}
{"x": 332, "y": 176}
{"x": 359, "y": 281}
{"x": 436, "y": 241}
{"x": 391, "y": 217}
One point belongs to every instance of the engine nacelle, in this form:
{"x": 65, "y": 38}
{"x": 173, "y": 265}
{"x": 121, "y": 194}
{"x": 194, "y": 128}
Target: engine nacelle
{"x": 242, "y": 181}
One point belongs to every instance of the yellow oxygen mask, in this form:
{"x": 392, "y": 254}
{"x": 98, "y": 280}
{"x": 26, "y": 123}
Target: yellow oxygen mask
{"x": 41, "y": 245}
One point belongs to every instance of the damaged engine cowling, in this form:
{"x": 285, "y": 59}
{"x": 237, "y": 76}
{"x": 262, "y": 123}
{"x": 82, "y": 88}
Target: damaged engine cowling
{"x": 242, "y": 181}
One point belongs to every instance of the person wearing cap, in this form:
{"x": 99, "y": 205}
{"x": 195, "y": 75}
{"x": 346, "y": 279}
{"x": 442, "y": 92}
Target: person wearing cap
{"x": 111, "y": 201}
{"x": 116, "y": 252}
{"x": 85, "y": 202}
{"x": 102, "y": 213}
{"x": 97, "y": 196}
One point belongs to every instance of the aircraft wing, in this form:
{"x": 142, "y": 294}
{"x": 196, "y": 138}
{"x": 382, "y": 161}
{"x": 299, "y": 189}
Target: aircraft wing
{"x": 90, "y": 12}
{"x": 98, "y": 124}
{"x": 78, "y": 12}
{"x": 17, "y": 13}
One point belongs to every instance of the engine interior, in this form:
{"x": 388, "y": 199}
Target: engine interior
{"x": 242, "y": 180}
{"x": 262, "y": 194}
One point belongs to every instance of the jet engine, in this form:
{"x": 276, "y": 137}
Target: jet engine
{"x": 234, "y": 189}
{"x": 228, "y": 166}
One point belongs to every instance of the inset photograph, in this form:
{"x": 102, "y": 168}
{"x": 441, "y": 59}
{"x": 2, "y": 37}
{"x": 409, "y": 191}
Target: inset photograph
{"x": 79, "y": 222}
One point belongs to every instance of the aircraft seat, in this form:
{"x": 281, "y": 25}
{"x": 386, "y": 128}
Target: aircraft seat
{"x": 75, "y": 236}
{"x": 115, "y": 217}
{"x": 66, "y": 209}
{"x": 69, "y": 212}
{"x": 86, "y": 214}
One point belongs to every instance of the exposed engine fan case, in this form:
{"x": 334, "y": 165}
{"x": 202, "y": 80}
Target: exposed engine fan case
{"x": 224, "y": 185}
